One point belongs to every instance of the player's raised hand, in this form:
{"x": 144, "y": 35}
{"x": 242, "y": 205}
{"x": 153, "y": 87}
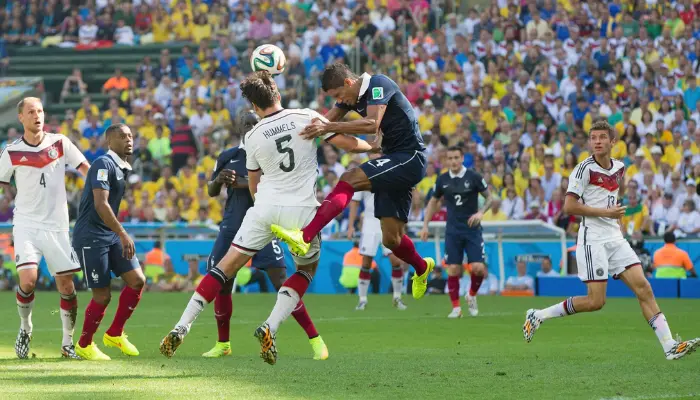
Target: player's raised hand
{"x": 316, "y": 128}
{"x": 424, "y": 234}
{"x": 128, "y": 248}
{"x": 616, "y": 212}
{"x": 475, "y": 219}
{"x": 226, "y": 177}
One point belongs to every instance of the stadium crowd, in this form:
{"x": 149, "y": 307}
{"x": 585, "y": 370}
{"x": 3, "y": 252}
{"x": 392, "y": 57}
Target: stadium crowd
{"x": 517, "y": 84}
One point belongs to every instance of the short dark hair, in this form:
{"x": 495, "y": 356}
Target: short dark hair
{"x": 669, "y": 237}
{"x": 456, "y": 148}
{"x": 602, "y": 125}
{"x": 246, "y": 121}
{"x": 260, "y": 89}
{"x": 334, "y": 76}
{"x": 115, "y": 128}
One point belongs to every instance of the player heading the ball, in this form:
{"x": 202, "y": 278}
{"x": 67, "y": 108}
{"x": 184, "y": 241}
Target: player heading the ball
{"x": 282, "y": 170}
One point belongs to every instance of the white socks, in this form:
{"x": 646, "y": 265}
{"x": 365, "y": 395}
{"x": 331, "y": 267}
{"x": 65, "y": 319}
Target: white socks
{"x": 397, "y": 286}
{"x": 68, "y": 318}
{"x": 663, "y": 332}
{"x": 558, "y": 310}
{"x": 287, "y": 301}
{"x": 24, "y": 309}
{"x": 362, "y": 289}
{"x": 192, "y": 311}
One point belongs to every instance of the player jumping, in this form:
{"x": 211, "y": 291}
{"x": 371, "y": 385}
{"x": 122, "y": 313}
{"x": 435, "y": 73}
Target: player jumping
{"x": 38, "y": 163}
{"x": 104, "y": 247}
{"x": 388, "y": 115}
{"x": 370, "y": 241}
{"x": 461, "y": 188}
{"x": 230, "y": 170}
{"x": 282, "y": 171}
{"x": 601, "y": 248}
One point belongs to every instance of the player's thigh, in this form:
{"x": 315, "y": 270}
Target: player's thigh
{"x": 254, "y": 233}
{"x": 474, "y": 246}
{"x": 357, "y": 178}
{"x": 58, "y": 252}
{"x": 27, "y": 253}
{"x": 396, "y": 171}
{"x": 123, "y": 267}
{"x": 370, "y": 240}
{"x": 393, "y": 205}
{"x": 621, "y": 257}
{"x": 95, "y": 262}
{"x": 455, "y": 245}
{"x": 596, "y": 293}
{"x": 221, "y": 246}
{"x": 592, "y": 263}
{"x": 301, "y": 217}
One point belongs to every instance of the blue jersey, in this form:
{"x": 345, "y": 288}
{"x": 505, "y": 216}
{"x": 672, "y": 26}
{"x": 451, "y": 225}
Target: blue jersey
{"x": 399, "y": 124}
{"x": 461, "y": 193}
{"x": 108, "y": 172}
{"x": 239, "y": 200}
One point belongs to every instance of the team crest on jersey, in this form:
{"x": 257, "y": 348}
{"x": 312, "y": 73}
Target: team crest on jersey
{"x": 467, "y": 185}
{"x": 599, "y": 272}
{"x": 53, "y": 153}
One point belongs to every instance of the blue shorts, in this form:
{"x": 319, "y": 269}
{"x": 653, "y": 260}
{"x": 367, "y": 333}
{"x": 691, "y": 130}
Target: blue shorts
{"x": 271, "y": 256}
{"x": 99, "y": 262}
{"x": 456, "y": 244}
{"x": 393, "y": 177}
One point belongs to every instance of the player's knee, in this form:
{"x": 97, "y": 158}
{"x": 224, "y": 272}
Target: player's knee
{"x": 391, "y": 241}
{"x": 138, "y": 283}
{"x": 643, "y": 291}
{"x": 102, "y": 296}
{"x": 596, "y": 303}
{"x": 28, "y": 286}
{"x": 478, "y": 269}
{"x": 454, "y": 270}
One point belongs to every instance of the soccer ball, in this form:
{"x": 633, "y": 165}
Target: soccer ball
{"x": 268, "y": 57}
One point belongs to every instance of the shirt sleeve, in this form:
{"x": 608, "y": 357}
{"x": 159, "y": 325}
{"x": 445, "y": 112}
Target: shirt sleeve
{"x": 218, "y": 166}
{"x": 437, "y": 189}
{"x": 380, "y": 90}
{"x": 6, "y": 168}
{"x": 250, "y": 162}
{"x": 480, "y": 182}
{"x": 240, "y": 167}
{"x": 74, "y": 157}
{"x": 99, "y": 175}
{"x": 357, "y": 196}
{"x": 577, "y": 181}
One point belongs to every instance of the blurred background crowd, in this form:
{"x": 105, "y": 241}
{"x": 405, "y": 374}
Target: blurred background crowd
{"x": 516, "y": 83}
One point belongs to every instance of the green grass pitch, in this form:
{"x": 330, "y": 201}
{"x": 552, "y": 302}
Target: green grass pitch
{"x": 380, "y": 353}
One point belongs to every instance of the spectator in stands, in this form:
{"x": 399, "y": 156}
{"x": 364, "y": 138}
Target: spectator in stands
{"x": 688, "y": 224}
{"x": 691, "y": 193}
{"x": 118, "y": 81}
{"x": 513, "y": 205}
{"x": 6, "y": 212}
{"x": 95, "y": 151}
{"x": 636, "y": 218}
{"x": 159, "y": 147}
{"x": 665, "y": 215}
{"x": 31, "y": 34}
{"x": 12, "y": 135}
{"x": 546, "y": 269}
{"x": 536, "y": 212}
{"x": 93, "y": 127}
{"x": 87, "y": 34}
{"x": 522, "y": 281}
{"x": 672, "y": 262}
{"x": 495, "y": 213}
{"x": 124, "y": 35}
{"x": 201, "y": 122}
{"x": 73, "y": 84}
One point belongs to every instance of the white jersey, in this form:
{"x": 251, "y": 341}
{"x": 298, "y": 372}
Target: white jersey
{"x": 597, "y": 187}
{"x": 40, "y": 173}
{"x": 369, "y": 221}
{"x": 288, "y": 161}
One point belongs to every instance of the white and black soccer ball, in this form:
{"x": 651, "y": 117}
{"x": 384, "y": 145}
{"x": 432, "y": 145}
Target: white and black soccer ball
{"x": 268, "y": 57}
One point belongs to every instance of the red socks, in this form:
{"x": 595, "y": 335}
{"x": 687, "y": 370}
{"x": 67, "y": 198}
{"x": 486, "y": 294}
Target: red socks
{"x": 211, "y": 284}
{"x": 396, "y": 272}
{"x": 299, "y": 281}
{"x": 475, "y": 284}
{"x": 304, "y": 320}
{"x": 68, "y": 303}
{"x": 365, "y": 274}
{"x": 223, "y": 309}
{"x": 128, "y": 301}
{"x": 406, "y": 251}
{"x": 453, "y": 289}
{"x": 93, "y": 316}
{"x": 334, "y": 204}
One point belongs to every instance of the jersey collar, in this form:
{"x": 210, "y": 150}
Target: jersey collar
{"x": 120, "y": 163}
{"x": 460, "y": 174}
{"x": 365, "y": 77}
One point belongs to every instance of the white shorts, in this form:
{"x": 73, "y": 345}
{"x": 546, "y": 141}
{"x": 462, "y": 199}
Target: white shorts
{"x": 31, "y": 244}
{"x": 596, "y": 261}
{"x": 255, "y": 233}
{"x": 371, "y": 239}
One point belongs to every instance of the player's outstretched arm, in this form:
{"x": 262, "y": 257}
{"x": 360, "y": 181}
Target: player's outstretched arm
{"x": 350, "y": 144}
{"x": 336, "y": 114}
{"x": 101, "y": 197}
{"x": 253, "y": 181}
{"x": 366, "y": 126}
{"x": 573, "y": 207}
